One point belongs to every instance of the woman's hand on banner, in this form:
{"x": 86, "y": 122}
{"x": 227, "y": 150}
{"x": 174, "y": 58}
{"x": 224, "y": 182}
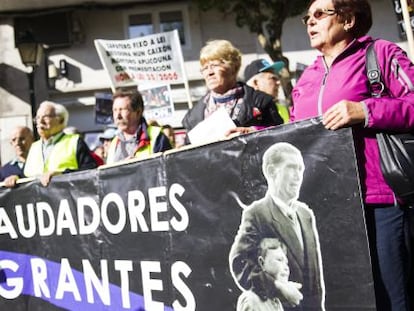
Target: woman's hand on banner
{"x": 238, "y": 131}
{"x": 343, "y": 114}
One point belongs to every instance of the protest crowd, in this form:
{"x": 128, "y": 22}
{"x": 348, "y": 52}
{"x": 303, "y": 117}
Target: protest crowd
{"x": 338, "y": 30}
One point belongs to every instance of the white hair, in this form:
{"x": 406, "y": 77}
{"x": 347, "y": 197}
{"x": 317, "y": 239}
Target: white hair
{"x": 59, "y": 109}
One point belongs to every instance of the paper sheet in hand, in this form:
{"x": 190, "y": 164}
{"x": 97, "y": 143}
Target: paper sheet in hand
{"x": 211, "y": 129}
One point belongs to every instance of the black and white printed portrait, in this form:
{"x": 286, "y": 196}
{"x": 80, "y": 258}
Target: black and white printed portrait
{"x": 279, "y": 215}
{"x": 272, "y": 260}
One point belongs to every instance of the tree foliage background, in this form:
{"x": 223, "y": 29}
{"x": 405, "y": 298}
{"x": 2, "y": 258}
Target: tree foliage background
{"x": 265, "y": 18}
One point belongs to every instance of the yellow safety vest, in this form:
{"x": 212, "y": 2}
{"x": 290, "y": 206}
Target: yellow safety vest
{"x": 141, "y": 153}
{"x": 62, "y": 157}
{"x": 283, "y": 112}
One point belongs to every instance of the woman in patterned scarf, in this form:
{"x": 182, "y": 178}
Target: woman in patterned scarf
{"x": 220, "y": 63}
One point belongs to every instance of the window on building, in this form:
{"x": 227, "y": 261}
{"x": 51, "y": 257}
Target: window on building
{"x": 161, "y": 20}
{"x": 140, "y": 25}
{"x": 173, "y": 20}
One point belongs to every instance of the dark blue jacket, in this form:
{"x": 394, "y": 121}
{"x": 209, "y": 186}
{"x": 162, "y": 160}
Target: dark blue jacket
{"x": 10, "y": 168}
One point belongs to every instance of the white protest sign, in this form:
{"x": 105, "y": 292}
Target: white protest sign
{"x": 152, "y": 58}
{"x": 212, "y": 128}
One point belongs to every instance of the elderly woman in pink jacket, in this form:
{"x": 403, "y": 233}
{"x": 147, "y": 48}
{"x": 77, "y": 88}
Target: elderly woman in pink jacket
{"x": 336, "y": 87}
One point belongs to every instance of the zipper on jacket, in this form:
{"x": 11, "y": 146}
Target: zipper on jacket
{"x": 401, "y": 75}
{"x": 325, "y": 76}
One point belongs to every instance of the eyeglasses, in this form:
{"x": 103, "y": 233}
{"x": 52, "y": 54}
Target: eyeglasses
{"x": 318, "y": 14}
{"x": 18, "y": 140}
{"x": 212, "y": 66}
{"x": 46, "y": 117}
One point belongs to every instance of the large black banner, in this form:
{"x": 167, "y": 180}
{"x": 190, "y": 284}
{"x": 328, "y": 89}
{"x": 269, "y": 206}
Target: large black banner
{"x": 188, "y": 230}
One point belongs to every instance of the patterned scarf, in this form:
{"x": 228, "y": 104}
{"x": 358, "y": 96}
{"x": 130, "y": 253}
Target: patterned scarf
{"x": 127, "y": 148}
{"x": 231, "y": 101}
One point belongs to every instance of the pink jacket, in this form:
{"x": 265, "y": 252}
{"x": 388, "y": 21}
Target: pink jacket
{"x": 320, "y": 87}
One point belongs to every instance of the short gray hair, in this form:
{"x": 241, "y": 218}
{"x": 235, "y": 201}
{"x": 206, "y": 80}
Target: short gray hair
{"x": 277, "y": 153}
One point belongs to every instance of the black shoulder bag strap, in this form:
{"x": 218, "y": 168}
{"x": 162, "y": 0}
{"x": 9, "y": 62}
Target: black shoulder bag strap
{"x": 395, "y": 150}
{"x": 373, "y": 72}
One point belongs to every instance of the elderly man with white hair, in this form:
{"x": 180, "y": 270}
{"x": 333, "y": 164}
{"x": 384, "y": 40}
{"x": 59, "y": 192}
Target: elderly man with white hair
{"x": 56, "y": 152}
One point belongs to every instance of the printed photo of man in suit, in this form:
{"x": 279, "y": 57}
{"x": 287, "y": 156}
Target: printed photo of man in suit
{"x": 280, "y": 215}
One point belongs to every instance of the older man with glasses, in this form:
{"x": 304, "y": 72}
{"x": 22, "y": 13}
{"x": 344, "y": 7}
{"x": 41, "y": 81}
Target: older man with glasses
{"x": 21, "y": 139}
{"x": 56, "y": 152}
